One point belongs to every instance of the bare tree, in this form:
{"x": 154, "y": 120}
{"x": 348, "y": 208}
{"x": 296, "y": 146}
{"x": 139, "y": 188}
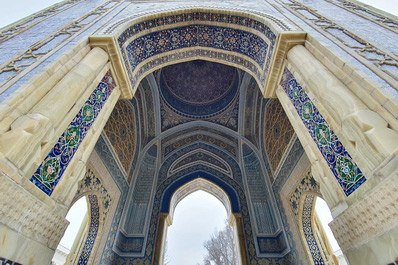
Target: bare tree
{"x": 221, "y": 248}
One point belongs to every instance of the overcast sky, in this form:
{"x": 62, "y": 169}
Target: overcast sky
{"x": 75, "y": 216}
{"x": 13, "y": 10}
{"x": 195, "y": 219}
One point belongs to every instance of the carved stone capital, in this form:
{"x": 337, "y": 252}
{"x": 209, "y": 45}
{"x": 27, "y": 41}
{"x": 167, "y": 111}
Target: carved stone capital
{"x": 369, "y": 218}
{"x": 25, "y": 214}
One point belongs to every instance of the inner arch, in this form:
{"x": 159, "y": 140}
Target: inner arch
{"x": 228, "y": 190}
{"x": 196, "y": 185}
{"x": 197, "y": 216}
{"x": 244, "y": 39}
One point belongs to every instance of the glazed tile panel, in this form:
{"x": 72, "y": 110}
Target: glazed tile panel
{"x": 341, "y": 164}
{"x": 199, "y": 17}
{"x": 54, "y": 165}
{"x": 241, "y": 47}
{"x": 92, "y": 231}
{"x": 308, "y": 231}
{"x": 227, "y": 39}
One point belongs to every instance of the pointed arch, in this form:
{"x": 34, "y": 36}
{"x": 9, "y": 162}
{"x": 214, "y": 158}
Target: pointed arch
{"x": 249, "y": 40}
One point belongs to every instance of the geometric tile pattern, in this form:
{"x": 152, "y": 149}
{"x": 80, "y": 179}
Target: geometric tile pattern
{"x": 198, "y": 82}
{"x": 104, "y": 151}
{"x": 345, "y": 170}
{"x": 307, "y": 185}
{"x": 148, "y": 125}
{"x": 140, "y": 200}
{"x": 250, "y": 50}
{"x": 259, "y": 195}
{"x": 277, "y": 132}
{"x": 200, "y": 157}
{"x": 252, "y": 111}
{"x": 164, "y": 171}
{"x": 200, "y": 136}
{"x": 293, "y": 156}
{"x": 308, "y": 231}
{"x": 198, "y": 88}
{"x": 228, "y": 117}
{"x": 91, "y": 184}
{"x": 295, "y": 152}
{"x": 54, "y": 165}
{"x": 204, "y": 130}
{"x": 141, "y": 106}
{"x": 216, "y": 37}
{"x": 121, "y": 132}
{"x": 198, "y": 17}
{"x": 92, "y": 231}
{"x": 4, "y": 261}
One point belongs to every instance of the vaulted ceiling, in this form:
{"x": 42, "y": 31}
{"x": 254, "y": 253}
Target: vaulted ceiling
{"x": 199, "y": 102}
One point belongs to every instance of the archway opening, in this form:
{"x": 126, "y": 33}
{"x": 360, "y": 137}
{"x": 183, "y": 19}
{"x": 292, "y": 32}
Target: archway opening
{"x": 73, "y": 237}
{"x": 197, "y": 217}
{"x": 325, "y": 217}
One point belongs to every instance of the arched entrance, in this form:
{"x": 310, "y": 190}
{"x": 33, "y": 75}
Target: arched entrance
{"x": 203, "y": 185}
{"x": 50, "y": 131}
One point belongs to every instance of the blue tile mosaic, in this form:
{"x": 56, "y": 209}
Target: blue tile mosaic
{"x": 227, "y": 39}
{"x": 92, "y": 231}
{"x": 54, "y": 165}
{"x": 104, "y": 152}
{"x": 293, "y": 157}
{"x": 126, "y": 244}
{"x": 264, "y": 214}
{"x": 275, "y": 244}
{"x": 4, "y": 261}
{"x": 195, "y": 145}
{"x": 308, "y": 231}
{"x": 199, "y": 17}
{"x": 305, "y": 194}
{"x": 341, "y": 164}
{"x": 258, "y": 49}
{"x": 198, "y": 89}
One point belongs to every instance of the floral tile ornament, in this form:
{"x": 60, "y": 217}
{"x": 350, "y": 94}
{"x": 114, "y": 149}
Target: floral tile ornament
{"x": 345, "y": 170}
{"x": 54, "y": 165}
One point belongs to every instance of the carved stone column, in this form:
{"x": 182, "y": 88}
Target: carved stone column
{"x": 365, "y": 221}
{"x": 32, "y": 135}
{"x": 31, "y": 221}
{"x": 364, "y": 133}
{"x": 30, "y": 229}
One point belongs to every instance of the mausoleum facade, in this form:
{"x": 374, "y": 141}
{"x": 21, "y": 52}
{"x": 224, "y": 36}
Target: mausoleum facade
{"x": 265, "y": 104}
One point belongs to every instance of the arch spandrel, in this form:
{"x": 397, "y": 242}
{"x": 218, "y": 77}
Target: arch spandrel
{"x": 252, "y": 41}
